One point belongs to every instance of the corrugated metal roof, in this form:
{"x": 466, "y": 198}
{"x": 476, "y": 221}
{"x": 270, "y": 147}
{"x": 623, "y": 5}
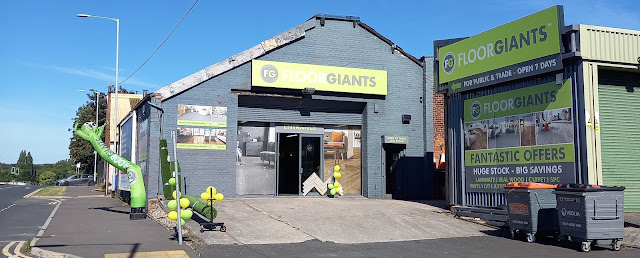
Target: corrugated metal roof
{"x": 610, "y": 44}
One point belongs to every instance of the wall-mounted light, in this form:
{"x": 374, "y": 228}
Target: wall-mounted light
{"x": 308, "y": 91}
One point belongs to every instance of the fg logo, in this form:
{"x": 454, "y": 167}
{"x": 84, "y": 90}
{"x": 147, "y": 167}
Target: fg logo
{"x": 449, "y": 63}
{"x": 269, "y": 73}
{"x": 475, "y": 110}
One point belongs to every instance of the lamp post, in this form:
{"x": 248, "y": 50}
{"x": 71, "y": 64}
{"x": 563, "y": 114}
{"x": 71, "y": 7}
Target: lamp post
{"x": 117, "y": 56}
{"x": 95, "y": 153}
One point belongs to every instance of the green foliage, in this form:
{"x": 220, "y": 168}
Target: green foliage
{"x": 47, "y": 178}
{"x": 79, "y": 149}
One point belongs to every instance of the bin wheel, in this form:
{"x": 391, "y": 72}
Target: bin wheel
{"x": 201, "y": 230}
{"x": 585, "y": 246}
{"x": 531, "y": 237}
{"x": 616, "y": 244}
{"x": 223, "y": 229}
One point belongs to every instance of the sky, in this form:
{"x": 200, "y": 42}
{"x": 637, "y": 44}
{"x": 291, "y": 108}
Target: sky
{"x": 47, "y": 53}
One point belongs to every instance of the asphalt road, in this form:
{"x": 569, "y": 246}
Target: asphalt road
{"x": 494, "y": 245}
{"x": 20, "y": 219}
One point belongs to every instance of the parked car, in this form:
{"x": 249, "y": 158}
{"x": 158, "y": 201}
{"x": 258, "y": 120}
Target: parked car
{"x": 82, "y": 179}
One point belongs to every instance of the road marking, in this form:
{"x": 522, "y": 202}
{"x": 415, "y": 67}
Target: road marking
{"x": 7, "y": 207}
{"x": 46, "y": 223}
{"x": 5, "y": 250}
{"x": 32, "y": 193}
{"x": 18, "y": 248}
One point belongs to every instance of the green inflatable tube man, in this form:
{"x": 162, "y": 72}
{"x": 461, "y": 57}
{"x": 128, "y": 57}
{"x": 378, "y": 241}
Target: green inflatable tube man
{"x": 91, "y": 133}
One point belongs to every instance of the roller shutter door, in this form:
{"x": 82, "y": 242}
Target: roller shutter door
{"x": 619, "y": 103}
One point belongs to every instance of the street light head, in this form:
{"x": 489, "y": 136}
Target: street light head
{"x": 82, "y": 15}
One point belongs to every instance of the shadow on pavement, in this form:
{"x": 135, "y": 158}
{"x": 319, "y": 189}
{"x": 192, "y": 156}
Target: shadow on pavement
{"x": 549, "y": 240}
{"x": 134, "y": 248}
{"x": 110, "y": 209}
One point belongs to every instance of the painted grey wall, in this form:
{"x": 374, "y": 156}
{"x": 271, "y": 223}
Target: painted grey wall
{"x": 337, "y": 43}
{"x": 203, "y": 168}
{"x": 428, "y": 104}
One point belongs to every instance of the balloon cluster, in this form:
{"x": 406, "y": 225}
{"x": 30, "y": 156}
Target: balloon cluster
{"x": 335, "y": 187}
{"x": 211, "y": 195}
{"x": 185, "y": 213}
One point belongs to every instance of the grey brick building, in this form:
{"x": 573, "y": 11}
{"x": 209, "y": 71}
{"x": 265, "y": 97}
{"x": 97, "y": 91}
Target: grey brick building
{"x": 331, "y": 91}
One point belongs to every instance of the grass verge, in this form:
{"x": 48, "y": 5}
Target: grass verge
{"x": 52, "y": 191}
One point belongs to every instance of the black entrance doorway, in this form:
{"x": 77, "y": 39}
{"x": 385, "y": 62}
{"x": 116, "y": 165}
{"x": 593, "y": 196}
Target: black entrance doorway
{"x": 288, "y": 166}
{"x": 392, "y": 153}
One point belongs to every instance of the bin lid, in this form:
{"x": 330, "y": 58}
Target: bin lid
{"x": 588, "y": 188}
{"x": 528, "y": 185}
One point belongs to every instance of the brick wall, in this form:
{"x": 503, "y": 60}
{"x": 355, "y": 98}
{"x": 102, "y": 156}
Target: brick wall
{"x": 438, "y": 125}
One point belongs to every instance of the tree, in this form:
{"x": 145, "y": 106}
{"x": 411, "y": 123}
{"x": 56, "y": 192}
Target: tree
{"x": 22, "y": 160}
{"x": 48, "y": 178}
{"x": 79, "y": 149}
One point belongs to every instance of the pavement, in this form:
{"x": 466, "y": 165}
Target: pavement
{"x": 344, "y": 220}
{"x": 87, "y": 224}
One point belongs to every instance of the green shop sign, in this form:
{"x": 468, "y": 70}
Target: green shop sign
{"x": 522, "y": 135}
{"x": 542, "y": 97}
{"x": 525, "y": 47}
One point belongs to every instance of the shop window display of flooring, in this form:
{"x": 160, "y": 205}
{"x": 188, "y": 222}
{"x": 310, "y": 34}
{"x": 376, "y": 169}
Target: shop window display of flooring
{"x": 350, "y": 169}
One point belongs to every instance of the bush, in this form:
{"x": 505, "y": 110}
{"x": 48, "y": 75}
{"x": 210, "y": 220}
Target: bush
{"x": 47, "y": 178}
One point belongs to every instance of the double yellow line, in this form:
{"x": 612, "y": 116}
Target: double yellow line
{"x": 16, "y": 251}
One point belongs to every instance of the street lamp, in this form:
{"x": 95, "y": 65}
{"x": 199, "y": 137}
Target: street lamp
{"x": 95, "y": 153}
{"x": 117, "y": 55}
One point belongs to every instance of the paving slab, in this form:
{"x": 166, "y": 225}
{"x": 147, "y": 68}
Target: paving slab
{"x": 343, "y": 220}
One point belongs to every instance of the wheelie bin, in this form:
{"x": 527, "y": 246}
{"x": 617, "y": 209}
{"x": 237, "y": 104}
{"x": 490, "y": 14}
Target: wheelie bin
{"x": 532, "y": 209}
{"x": 589, "y": 213}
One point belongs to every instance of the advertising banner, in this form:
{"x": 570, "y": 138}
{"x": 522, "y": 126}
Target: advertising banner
{"x": 522, "y": 135}
{"x": 194, "y": 115}
{"x": 201, "y": 138}
{"x": 207, "y": 138}
{"x": 525, "y": 47}
{"x": 320, "y": 77}
{"x": 126, "y": 146}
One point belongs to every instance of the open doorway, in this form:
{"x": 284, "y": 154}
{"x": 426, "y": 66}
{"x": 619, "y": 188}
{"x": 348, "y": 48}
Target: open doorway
{"x": 391, "y": 154}
{"x": 288, "y": 164}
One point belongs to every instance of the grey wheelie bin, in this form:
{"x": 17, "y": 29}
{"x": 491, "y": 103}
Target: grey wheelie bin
{"x": 532, "y": 209}
{"x": 589, "y": 213}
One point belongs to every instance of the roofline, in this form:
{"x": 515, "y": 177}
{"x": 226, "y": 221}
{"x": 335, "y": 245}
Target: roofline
{"x": 261, "y": 49}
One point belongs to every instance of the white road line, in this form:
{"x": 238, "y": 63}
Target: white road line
{"x": 46, "y": 223}
{"x": 5, "y": 250}
{"x": 7, "y": 207}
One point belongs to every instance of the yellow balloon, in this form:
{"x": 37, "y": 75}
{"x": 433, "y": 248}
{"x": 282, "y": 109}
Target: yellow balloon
{"x": 337, "y": 175}
{"x": 205, "y": 196}
{"x": 211, "y": 202}
{"x": 174, "y": 194}
{"x": 173, "y": 215}
{"x": 218, "y": 197}
{"x": 336, "y": 168}
{"x": 184, "y": 202}
{"x": 211, "y": 190}
{"x": 336, "y": 185}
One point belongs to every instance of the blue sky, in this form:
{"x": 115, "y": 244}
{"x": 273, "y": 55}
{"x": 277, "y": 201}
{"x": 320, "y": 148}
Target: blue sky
{"x": 47, "y": 53}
